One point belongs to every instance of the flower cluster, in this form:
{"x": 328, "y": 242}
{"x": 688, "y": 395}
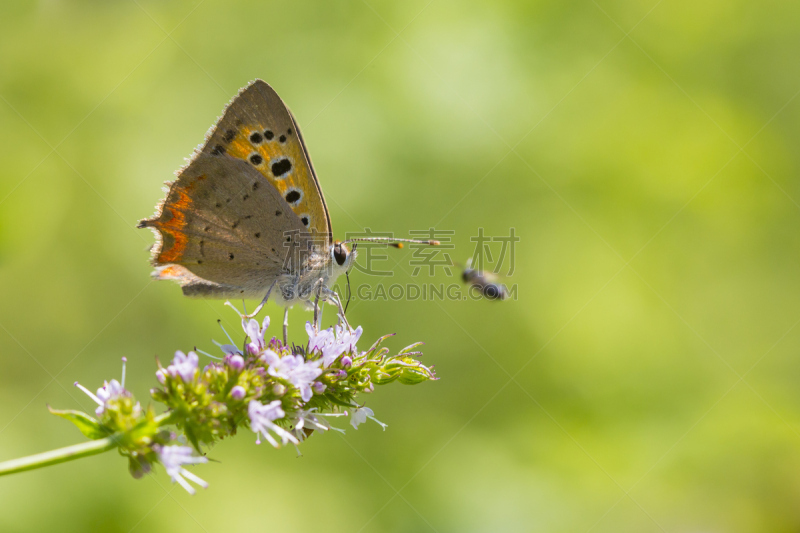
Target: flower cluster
{"x": 282, "y": 394}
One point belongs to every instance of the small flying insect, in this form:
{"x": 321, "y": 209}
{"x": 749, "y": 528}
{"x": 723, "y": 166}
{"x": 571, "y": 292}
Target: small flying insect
{"x": 487, "y": 283}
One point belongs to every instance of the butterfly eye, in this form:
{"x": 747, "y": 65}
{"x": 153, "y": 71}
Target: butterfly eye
{"x": 340, "y": 254}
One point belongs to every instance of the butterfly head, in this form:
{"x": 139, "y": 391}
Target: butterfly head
{"x": 343, "y": 257}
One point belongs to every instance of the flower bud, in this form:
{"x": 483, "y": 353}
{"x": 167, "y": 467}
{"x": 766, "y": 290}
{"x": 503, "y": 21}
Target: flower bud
{"x": 161, "y": 375}
{"x": 238, "y": 392}
{"x": 319, "y": 387}
{"x": 339, "y": 374}
{"x": 278, "y": 390}
{"x": 138, "y": 466}
{"x": 346, "y": 361}
{"x": 235, "y": 362}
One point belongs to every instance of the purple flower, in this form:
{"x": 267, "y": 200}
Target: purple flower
{"x": 338, "y": 374}
{"x": 256, "y": 334}
{"x": 261, "y": 422}
{"x": 348, "y": 338}
{"x": 235, "y": 362}
{"x": 270, "y": 357}
{"x": 183, "y": 365}
{"x": 325, "y": 342}
{"x": 109, "y": 392}
{"x": 173, "y": 458}
{"x": 229, "y": 349}
{"x": 360, "y": 415}
{"x": 309, "y": 419}
{"x": 318, "y": 340}
{"x": 319, "y": 387}
{"x": 105, "y": 394}
{"x": 331, "y": 353}
{"x": 298, "y": 372}
{"x": 238, "y": 392}
{"x": 332, "y": 346}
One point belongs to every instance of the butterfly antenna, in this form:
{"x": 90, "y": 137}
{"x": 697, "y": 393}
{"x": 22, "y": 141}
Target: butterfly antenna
{"x": 397, "y": 243}
{"x": 347, "y": 275}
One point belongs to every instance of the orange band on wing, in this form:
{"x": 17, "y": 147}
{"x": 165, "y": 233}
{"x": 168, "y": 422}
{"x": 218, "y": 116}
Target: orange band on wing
{"x": 171, "y": 272}
{"x": 174, "y": 227}
{"x": 240, "y": 148}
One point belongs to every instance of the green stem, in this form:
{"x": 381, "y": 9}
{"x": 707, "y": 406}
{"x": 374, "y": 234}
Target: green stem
{"x": 165, "y": 419}
{"x": 60, "y": 455}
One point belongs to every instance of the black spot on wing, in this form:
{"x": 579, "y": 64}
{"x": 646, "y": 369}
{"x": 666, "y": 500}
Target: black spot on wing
{"x": 256, "y": 138}
{"x": 218, "y": 150}
{"x": 293, "y": 197}
{"x": 281, "y": 167}
{"x": 229, "y": 135}
{"x": 256, "y": 159}
{"x": 268, "y": 135}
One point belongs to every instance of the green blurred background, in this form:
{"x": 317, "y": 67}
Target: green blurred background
{"x": 645, "y": 379}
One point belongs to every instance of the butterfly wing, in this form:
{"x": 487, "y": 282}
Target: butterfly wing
{"x": 224, "y": 231}
{"x": 258, "y": 128}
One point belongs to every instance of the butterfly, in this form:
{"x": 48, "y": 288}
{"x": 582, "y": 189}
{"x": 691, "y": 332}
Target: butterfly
{"x": 246, "y": 217}
{"x": 486, "y": 283}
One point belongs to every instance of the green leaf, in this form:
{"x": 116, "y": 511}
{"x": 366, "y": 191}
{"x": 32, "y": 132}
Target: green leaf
{"x": 88, "y": 425}
{"x": 378, "y": 357}
{"x": 377, "y": 343}
{"x": 192, "y": 439}
{"x": 338, "y": 401}
{"x": 412, "y": 377}
{"x": 409, "y": 349}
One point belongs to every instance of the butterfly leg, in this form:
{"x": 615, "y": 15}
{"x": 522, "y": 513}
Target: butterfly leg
{"x": 286, "y": 326}
{"x": 333, "y": 297}
{"x": 317, "y": 309}
{"x": 263, "y": 302}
